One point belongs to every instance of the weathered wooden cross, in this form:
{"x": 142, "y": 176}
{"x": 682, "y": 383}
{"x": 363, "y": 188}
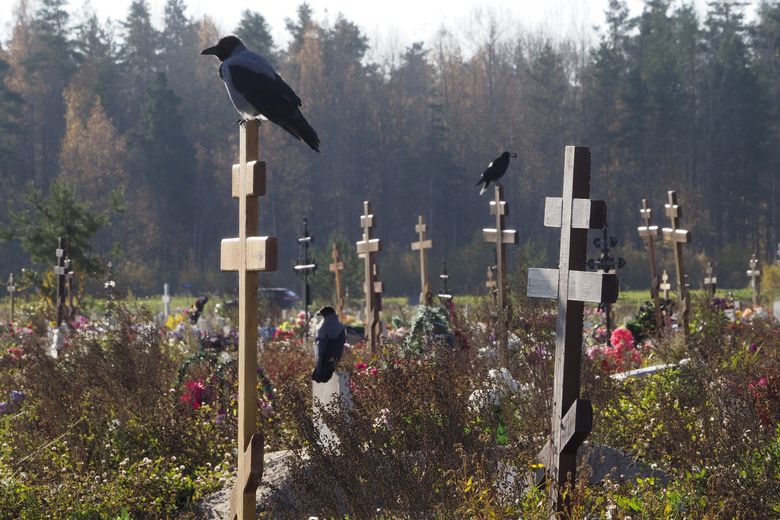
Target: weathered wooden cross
{"x": 61, "y": 270}
{"x": 166, "y": 300}
{"x": 491, "y": 277}
{"x": 422, "y": 245}
{"x": 755, "y": 275}
{"x": 337, "y": 266}
{"x": 444, "y": 276}
{"x": 305, "y": 267}
{"x": 11, "y": 288}
{"x": 665, "y": 286}
{"x": 649, "y": 233}
{"x": 500, "y": 237}
{"x": 710, "y": 281}
{"x": 248, "y": 254}
{"x": 678, "y": 237}
{"x": 372, "y": 287}
{"x": 574, "y": 214}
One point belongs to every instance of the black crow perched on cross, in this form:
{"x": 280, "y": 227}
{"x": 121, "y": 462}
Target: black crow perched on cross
{"x": 495, "y": 171}
{"x": 256, "y": 90}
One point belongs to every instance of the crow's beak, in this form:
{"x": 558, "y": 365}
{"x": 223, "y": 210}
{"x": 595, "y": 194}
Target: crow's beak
{"x": 512, "y": 155}
{"x": 210, "y": 50}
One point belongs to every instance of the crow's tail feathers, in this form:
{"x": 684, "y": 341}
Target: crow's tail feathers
{"x": 484, "y": 188}
{"x": 299, "y": 128}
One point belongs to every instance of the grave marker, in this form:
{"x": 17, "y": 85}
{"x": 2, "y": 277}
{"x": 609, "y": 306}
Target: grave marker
{"x": 710, "y": 282}
{"x": 665, "y": 286}
{"x": 372, "y": 287}
{"x": 571, "y": 285}
{"x": 444, "y": 276}
{"x": 166, "y": 300}
{"x": 491, "y": 282}
{"x": 11, "y": 289}
{"x": 500, "y": 237}
{"x": 305, "y": 267}
{"x": 606, "y": 264}
{"x": 336, "y": 267}
{"x": 678, "y": 237}
{"x": 422, "y": 245}
{"x": 247, "y": 255}
{"x": 755, "y": 275}
{"x": 649, "y": 233}
{"x": 61, "y": 270}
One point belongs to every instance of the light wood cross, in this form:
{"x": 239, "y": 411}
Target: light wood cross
{"x": 500, "y": 237}
{"x": 649, "y": 233}
{"x": 422, "y": 245}
{"x": 11, "y": 289}
{"x": 665, "y": 286}
{"x": 248, "y": 254}
{"x": 61, "y": 270}
{"x": 166, "y": 300}
{"x": 571, "y": 285}
{"x": 678, "y": 237}
{"x": 755, "y": 275}
{"x": 336, "y": 267}
{"x": 710, "y": 281}
{"x": 372, "y": 287}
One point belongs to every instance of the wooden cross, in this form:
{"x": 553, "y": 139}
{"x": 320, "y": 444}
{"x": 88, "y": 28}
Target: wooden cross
{"x": 678, "y": 237}
{"x": 445, "y": 294}
{"x": 571, "y": 285}
{"x": 166, "y": 300}
{"x": 649, "y": 233}
{"x": 305, "y": 266}
{"x": 248, "y": 254}
{"x": 491, "y": 282}
{"x": 336, "y": 267}
{"x": 61, "y": 270}
{"x": 422, "y": 245}
{"x": 665, "y": 286}
{"x": 710, "y": 281}
{"x": 500, "y": 237}
{"x": 11, "y": 289}
{"x": 755, "y": 274}
{"x": 367, "y": 249}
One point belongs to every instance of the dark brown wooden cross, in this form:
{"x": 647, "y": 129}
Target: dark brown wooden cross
{"x": 248, "y": 254}
{"x": 649, "y": 233}
{"x": 710, "y": 281}
{"x": 755, "y": 275}
{"x": 678, "y": 237}
{"x": 11, "y": 289}
{"x": 571, "y": 285}
{"x": 336, "y": 267}
{"x": 665, "y": 286}
{"x": 422, "y": 245}
{"x": 372, "y": 287}
{"x": 500, "y": 237}
{"x": 61, "y": 270}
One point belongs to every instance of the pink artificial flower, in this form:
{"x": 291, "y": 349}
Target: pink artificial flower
{"x": 373, "y": 371}
{"x": 360, "y": 366}
{"x": 622, "y": 338}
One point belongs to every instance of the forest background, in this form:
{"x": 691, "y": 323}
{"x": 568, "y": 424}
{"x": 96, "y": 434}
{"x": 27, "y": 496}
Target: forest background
{"x": 128, "y": 114}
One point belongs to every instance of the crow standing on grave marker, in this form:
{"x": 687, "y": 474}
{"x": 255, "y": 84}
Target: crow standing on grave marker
{"x": 495, "y": 171}
{"x": 256, "y": 90}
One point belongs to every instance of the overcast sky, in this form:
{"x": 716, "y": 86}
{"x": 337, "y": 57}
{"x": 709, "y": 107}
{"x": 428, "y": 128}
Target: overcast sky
{"x": 394, "y": 23}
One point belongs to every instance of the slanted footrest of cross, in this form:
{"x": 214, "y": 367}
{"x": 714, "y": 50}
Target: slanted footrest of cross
{"x": 249, "y": 477}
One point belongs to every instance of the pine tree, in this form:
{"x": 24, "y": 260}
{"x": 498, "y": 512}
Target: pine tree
{"x": 255, "y": 32}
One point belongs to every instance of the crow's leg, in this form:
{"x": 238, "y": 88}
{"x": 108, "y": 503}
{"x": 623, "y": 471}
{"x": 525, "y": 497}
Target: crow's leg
{"x": 240, "y": 122}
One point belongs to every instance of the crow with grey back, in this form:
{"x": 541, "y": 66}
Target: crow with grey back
{"x": 256, "y": 90}
{"x": 495, "y": 171}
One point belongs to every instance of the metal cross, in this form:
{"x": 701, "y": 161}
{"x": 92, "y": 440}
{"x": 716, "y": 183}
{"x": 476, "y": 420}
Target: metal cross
{"x": 422, "y": 245}
{"x": 444, "y": 276}
{"x": 372, "y": 287}
{"x": 305, "y": 267}
{"x": 336, "y": 267}
{"x": 755, "y": 274}
{"x": 606, "y": 264}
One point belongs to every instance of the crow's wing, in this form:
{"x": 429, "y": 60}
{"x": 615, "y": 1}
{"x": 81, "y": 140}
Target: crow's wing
{"x": 270, "y": 95}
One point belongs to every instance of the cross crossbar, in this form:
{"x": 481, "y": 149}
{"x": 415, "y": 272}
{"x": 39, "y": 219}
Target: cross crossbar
{"x": 584, "y": 286}
{"x": 585, "y": 213}
{"x": 508, "y": 236}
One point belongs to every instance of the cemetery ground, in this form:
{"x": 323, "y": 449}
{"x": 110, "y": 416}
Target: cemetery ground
{"x": 137, "y": 420}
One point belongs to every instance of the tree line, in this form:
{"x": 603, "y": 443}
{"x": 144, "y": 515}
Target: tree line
{"x": 127, "y": 119}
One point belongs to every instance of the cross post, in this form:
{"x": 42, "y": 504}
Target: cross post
{"x": 247, "y": 255}
{"x": 305, "y": 267}
{"x": 571, "y": 285}
{"x": 500, "y": 237}
{"x": 11, "y": 289}
{"x": 710, "y": 281}
{"x": 678, "y": 237}
{"x": 649, "y": 233}
{"x": 61, "y": 270}
{"x": 372, "y": 287}
{"x": 755, "y": 275}
{"x": 422, "y": 245}
{"x": 336, "y": 267}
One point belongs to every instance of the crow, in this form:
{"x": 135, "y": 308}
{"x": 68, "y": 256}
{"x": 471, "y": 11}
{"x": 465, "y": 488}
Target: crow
{"x": 256, "y": 90}
{"x": 495, "y": 171}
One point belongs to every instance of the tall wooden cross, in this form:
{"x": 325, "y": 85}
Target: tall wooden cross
{"x": 500, "y": 236}
{"x": 61, "y": 270}
{"x": 649, "y": 233}
{"x": 678, "y": 237}
{"x": 305, "y": 267}
{"x": 248, "y": 254}
{"x": 665, "y": 286}
{"x": 755, "y": 274}
{"x": 11, "y": 288}
{"x": 422, "y": 245}
{"x": 445, "y": 277}
{"x": 166, "y": 300}
{"x": 571, "y": 285}
{"x": 710, "y": 281}
{"x": 372, "y": 287}
{"x": 337, "y": 266}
